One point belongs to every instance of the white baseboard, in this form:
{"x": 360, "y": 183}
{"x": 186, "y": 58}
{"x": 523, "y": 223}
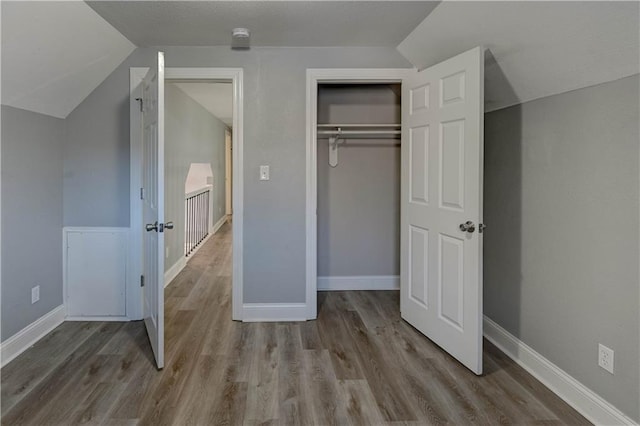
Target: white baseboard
{"x": 219, "y": 224}
{"x": 99, "y": 318}
{"x": 374, "y": 282}
{"x": 173, "y": 272}
{"x": 574, "y": 393}
{"x": 28, "y": 336}
{"x": 268, "y": 312}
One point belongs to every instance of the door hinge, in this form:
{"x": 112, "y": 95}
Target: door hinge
{"x": 141, "y": 102}
{"x": 141, "y": 280}
{"x": 142, "y": 193}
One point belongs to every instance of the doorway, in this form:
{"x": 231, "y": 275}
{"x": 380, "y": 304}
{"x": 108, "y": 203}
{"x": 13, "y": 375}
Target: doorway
{"x": 135, "y": 288}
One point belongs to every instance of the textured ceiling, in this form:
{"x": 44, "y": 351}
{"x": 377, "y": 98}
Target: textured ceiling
{"x": 272, "y": 23}
{"x": 55, "y": 53}
{"x": 535, "y": 49}
{"x": 217, "y": 98}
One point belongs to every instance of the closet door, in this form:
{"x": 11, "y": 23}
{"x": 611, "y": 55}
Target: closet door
{"x": 441, "y": 203}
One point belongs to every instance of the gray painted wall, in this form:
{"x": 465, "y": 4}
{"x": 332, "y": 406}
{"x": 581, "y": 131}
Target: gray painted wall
{"x": 359, "y": 200}
{"x": 274, "y": 108}
{"x": 31, "y": 216}
{"x": 561, "y": 249}
{"x": 192, "y": 135}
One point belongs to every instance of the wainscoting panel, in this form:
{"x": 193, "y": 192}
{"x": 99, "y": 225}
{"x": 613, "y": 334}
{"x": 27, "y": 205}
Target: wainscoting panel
{"x": 95, "y": 273}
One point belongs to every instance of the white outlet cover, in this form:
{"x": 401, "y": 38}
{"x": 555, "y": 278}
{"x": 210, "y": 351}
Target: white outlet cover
{"x": 605, "y": 357}
{"x": 35, "y": 294}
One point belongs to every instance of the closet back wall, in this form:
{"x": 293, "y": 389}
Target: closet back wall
{"x": 359, "y": 200}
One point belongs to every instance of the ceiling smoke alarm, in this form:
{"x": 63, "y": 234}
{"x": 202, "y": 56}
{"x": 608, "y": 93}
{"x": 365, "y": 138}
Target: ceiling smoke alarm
{"x": 240, "y": 38}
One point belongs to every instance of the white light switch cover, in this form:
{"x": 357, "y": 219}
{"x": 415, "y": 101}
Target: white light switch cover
{"x": 264, "y": 172}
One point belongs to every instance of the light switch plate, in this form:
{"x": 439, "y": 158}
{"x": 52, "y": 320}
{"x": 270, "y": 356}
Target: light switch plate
{"x": 264, "y": 172}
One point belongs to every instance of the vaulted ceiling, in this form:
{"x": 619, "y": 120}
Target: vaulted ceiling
{"x": 54, "y": 53}
{"x": 534, "y": 48}
{"x": 217, "y": 98}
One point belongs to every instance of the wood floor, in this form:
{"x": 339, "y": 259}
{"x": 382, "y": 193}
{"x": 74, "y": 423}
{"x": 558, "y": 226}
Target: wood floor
{"x": 358, "y": 363}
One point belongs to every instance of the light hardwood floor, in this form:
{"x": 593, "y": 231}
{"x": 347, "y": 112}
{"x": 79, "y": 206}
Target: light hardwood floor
{"x": 358, "y": 363}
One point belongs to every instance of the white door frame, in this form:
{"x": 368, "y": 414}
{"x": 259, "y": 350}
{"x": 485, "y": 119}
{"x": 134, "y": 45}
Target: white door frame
{"x": 314, "y": 77}
{"x": 134, "y": 293}
{"x": 228, "y": 177}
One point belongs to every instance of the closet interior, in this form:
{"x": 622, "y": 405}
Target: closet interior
{"x": 358, "y": 183}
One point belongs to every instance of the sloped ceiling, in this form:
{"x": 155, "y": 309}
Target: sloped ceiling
{"x": 535, "y": 49}
{"x": 217, "y": 98}
{"x": 55, "y": 53}
{"x": 272, "y": 23}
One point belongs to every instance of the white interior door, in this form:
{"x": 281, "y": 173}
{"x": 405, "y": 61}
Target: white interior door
{"x": 441, "y": 202}
{"x": 153, "y": 206}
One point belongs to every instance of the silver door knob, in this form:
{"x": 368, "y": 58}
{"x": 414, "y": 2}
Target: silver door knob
{"x": 468, "y": 226}
{"x": 168, "y": 225}
{"x": 151, "y": 227}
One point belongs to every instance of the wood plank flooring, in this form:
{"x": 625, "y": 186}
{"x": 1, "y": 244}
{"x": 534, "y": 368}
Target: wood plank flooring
{"x": 358, "y": 363}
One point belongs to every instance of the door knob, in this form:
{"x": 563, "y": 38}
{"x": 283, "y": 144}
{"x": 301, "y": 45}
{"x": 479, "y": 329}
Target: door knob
{"x": 163, "y": 226}
{"x": 468, "y": 226}
{"x": 152, "y": 227}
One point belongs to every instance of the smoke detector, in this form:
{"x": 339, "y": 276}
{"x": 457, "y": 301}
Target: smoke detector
{"x": 240, "y": 38}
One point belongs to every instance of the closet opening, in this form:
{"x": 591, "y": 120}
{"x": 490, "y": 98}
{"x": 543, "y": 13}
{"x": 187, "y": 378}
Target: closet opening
{"x": 358, "y": 186}
{"x": 382, "y": 216}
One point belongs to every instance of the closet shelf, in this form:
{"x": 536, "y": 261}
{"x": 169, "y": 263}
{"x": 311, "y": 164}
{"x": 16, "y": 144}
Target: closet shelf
{"x": 357, "y": 125}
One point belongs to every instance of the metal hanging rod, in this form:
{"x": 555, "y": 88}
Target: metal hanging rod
{"x": 346, "y": 133}
{"x": 339, "y": 135}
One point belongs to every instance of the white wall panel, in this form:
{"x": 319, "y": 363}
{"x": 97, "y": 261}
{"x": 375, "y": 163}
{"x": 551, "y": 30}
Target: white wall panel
{"x": 95, "y": 271}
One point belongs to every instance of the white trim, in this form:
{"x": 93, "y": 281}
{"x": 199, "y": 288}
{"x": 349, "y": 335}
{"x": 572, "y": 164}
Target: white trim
{"x": 98, "y": 318}
{"x": 574, "y": 393}
{"x": 374, "y": 282}
{"x": 28, "y": 336}
{"x": 236, "y": 75}
{"x": 315, "y": 76}
{"x": 219, "y": 224}
{"x": 173, "y": 272}
{"x": 270, "y": 312}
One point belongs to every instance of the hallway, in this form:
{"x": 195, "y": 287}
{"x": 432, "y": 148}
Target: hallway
{"x": 359, "y": 363}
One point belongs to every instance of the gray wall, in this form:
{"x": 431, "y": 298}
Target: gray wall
{"x": 359, "y": 200}
{"x": 274, "y": 108}
{"x": 192, "y": 135}
{"x": 31, "y": 216}
{"x": 561, "y": 249}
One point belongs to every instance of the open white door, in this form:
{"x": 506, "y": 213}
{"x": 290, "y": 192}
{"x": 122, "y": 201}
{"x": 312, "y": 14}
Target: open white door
{"x": 441, "y": 205}
{"x": 153, "y": 206}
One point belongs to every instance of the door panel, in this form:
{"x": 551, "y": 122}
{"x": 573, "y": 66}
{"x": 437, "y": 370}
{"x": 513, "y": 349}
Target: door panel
{"x": 441, "y": 276}
{"x": 153, "y": 206}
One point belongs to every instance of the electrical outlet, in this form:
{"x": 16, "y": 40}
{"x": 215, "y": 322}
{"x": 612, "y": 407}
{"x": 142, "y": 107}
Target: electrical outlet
{"x": 605, "y": 358}
{"x": 35, "y": 294}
